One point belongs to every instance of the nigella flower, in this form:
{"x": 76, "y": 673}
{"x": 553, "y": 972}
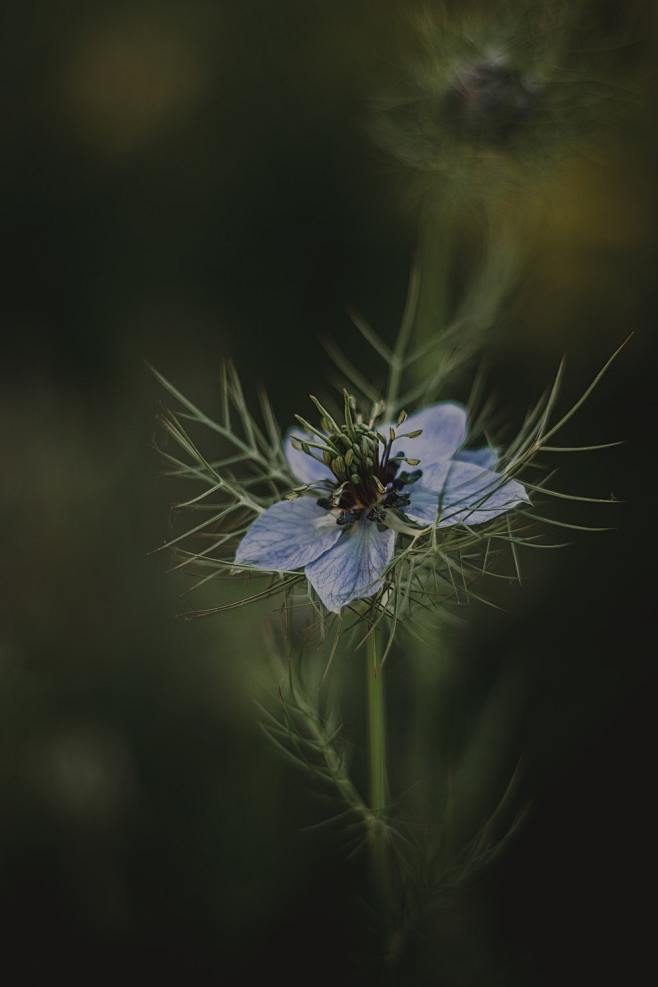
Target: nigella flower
{"x": 341, "y": 525}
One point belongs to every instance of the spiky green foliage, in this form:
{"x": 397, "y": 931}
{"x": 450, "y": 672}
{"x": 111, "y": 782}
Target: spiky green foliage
{"x": 306, "y": 729}
{"x": 429, "y": 863}
{"x": 434, "y": 569}
{"x": 250, "y": 473}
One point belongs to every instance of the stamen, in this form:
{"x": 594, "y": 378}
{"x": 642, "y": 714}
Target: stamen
{"x": 306, "y": 444}
{"x": 377, "y": 409}
{"x": 407, "y": 478}
{"x": 331, "y": 421}
{"x": 349, "y": 421}
{"x": 360, "y": 458}
{"x": 348, "y": 517}
{"x": 314, "y": 431}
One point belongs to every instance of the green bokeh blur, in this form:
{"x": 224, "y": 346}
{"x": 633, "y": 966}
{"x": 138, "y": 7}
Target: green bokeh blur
{"x": 190, "y": 181}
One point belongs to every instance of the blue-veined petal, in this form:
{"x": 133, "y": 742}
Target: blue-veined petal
{"x": 444, "y": 428}
{"x": 303, "y": 467}
{"x": 288, "y": 535}
{"x": 468, "y": 494}
{"x": 424, "y": 505}
{"x": 486, "y": 457}
{"x": 353, "y": 568}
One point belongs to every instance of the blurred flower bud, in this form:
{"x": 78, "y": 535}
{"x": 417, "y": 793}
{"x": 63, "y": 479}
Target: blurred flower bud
{"x": 490, "y": 92}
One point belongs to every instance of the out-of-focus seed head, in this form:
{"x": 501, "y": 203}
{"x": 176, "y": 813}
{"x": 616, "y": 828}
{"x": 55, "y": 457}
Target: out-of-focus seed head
{"x": 490, "y": 102}
{"x": 487, "y": 91}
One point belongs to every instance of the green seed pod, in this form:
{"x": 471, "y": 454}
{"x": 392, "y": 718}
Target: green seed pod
{"x": 349, "y": 457}
{"x": 355, "y": 478}
{"x": 327, "y": 458}
{"x": 338, "y": 466}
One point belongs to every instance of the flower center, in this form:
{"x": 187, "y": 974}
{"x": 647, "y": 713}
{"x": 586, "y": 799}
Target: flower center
{"x": 490, "y": 102}
{"x": 369, "y": 479}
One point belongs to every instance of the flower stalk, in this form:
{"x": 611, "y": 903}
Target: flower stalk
{"x": 378, "y": 779}
{"x": 338, "y": 528}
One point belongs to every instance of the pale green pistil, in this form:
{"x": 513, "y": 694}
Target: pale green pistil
{"x": 359, "y": 456}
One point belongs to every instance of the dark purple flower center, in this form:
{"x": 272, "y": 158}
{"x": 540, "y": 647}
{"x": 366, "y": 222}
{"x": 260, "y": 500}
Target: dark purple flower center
{"x": 369, "y": 479}
{"x": 371, "y": 500}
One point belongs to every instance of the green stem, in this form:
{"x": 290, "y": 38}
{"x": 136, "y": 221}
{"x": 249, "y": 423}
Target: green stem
{"x": 332, "y": 760}
{"x": 399, "y": 353}
{"x": 437, "y": 260}
{"x": 377, "y": 762}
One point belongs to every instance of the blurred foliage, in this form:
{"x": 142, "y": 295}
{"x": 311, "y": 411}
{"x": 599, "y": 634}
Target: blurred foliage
{"x": 190, "y": 181}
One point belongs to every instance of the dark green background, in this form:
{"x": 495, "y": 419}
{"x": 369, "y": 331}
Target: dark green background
{"x": 186, "y": 181}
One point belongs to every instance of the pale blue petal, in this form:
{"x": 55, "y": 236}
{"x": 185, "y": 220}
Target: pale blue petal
{"x": 288, "y": 535}
{"x": 353, "y": 568}
{"x": 468, "y": 494}
{"x": 302, "y": 466}
{"x": 424, "y": 506}
{"x": 486, "y": 457}
{"x": 444, "y": 428}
